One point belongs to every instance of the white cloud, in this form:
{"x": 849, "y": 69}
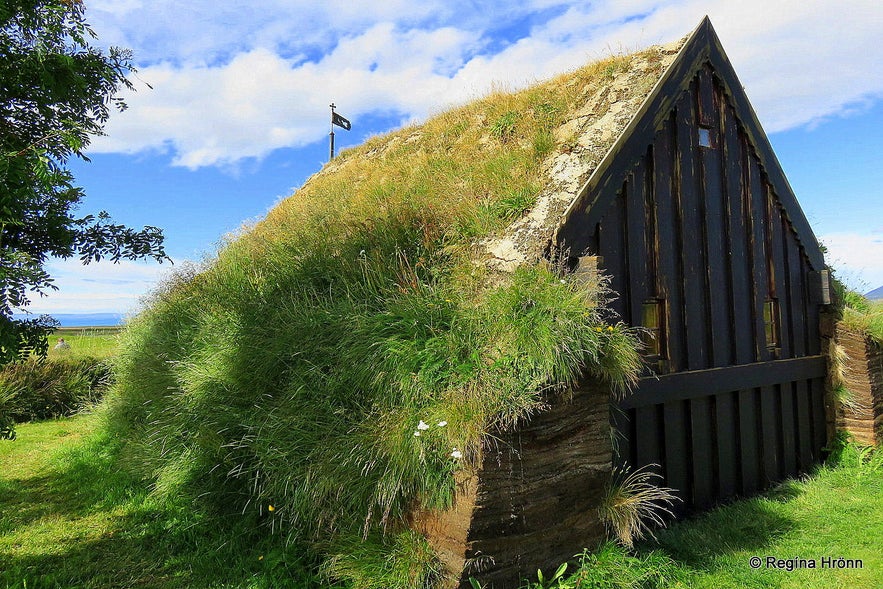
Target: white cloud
{"x": 238, "y": 82}
{"x": 857, "y": 258}
{"x": 102, "y": 287}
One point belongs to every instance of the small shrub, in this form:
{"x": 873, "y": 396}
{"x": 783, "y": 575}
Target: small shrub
{"x": 7, "y": 424}
{"x": 543, "y": 143}
{"x": 857, "y": 460}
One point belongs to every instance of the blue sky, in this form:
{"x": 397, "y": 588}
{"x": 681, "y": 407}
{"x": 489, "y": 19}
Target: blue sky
{"x": 237, "y": 117}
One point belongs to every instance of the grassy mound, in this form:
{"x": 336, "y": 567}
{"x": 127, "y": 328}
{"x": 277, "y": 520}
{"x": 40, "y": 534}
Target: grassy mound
{"x": 335, "y": 365}
{"x": 864, "y": 316}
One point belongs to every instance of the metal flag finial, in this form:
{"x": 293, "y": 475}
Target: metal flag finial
{"x": 340, "y": 121}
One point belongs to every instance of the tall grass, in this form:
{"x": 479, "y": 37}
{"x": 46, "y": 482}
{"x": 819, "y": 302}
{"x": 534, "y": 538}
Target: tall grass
{"x": 43, "y": 389}
{"x": 865, "y": 317}
{"x": 294, "y": 369}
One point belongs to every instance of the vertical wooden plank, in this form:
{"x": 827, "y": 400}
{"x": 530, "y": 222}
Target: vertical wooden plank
{"x": 770, "y": 410}
{"x": 692, "y": 233}
{"x": 677, "y": 452}
{"x": 703, "y": 451}
{"x": 649, "y": 192}
{"x": 814, "y": 344}
{"x": 804, "y": 427}
{"x": 797, "y": 290}
{"x": 668, "y": 245}
{"x": 755, "y": 207}
{"x": 819, "y": 427}
{"x": 778, "y": 269}
{"x": 639, "y": 252}
{"x": 726, "y": 408}
{"x": 741, "y": 295}
{"x": 613, "y": 251}
{"x": 749, "y": 438}
{"x": 718, "y": 266}
{"x": 648, "y": 438}
{"x": 706, "y": 98}
{"x": 789, "y": 434}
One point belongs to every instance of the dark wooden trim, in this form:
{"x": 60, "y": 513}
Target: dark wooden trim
{"x": 699, "y": 383}
{"x": 703, "y": 46}
{"x": 633, "y": 141}
{"x": 790, "y": 457}
{"x": 704, "y": 447}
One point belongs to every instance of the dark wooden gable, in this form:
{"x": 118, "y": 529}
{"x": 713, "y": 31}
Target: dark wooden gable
{"x": 696, "y": 225}
{"x": 702, "y": 49}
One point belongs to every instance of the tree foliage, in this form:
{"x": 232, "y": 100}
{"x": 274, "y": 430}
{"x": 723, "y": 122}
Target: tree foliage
{"x": 56, "y": 91}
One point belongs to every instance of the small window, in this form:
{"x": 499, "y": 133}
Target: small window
{"x": 705, "y": 139}
{"x": 771, "y": 323}
{"x": 652, "y": 320}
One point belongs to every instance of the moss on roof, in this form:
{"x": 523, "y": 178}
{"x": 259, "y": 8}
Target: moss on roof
{"x": 501, "y": 169}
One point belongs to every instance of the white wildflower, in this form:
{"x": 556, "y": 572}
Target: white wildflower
{"x": 422, "y": 426}
{"x": 456, "y": 454}
{"x": 442, "y": 423}
{"x": 416, "y": 434}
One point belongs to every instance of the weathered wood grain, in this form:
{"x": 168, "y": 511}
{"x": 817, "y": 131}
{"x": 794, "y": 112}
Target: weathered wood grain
{"x": 533, "y": 501}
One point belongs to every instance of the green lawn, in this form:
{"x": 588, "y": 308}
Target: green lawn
{"x": 835, "y": 513}
{"x": 94, "y": 342}
{"x": 71, "y": 519}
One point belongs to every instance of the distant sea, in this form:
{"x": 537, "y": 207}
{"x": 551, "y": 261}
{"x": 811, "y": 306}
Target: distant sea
{"x": 82, "y": 319}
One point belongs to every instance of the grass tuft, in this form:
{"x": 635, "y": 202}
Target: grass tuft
{"x": 633, "y": 505}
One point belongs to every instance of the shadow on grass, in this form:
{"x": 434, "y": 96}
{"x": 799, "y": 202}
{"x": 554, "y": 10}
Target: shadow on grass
{"x": 87, "y": 524}
{"x": 84, "y": 482}
{"x": 749, "y": 524}
{"x": 148, "y": 546}
{"x": 137, "y": 552}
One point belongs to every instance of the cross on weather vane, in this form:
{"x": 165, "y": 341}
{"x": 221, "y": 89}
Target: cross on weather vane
{"x": 338, "y": 120}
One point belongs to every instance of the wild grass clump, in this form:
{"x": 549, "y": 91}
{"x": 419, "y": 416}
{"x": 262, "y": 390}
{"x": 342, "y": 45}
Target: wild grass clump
{"x": 633, "y": 504}
{"x": 342, "y": 359}
{"x": 44, "y": 389}
{"x": 378, "y": 562}
{"x": 611, "y": 566}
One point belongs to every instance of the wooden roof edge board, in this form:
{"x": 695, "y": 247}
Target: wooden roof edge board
{"x": 703, "y": 45}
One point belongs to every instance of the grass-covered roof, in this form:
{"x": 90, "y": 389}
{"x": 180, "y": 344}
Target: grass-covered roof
{"x": 342, "y": 359}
